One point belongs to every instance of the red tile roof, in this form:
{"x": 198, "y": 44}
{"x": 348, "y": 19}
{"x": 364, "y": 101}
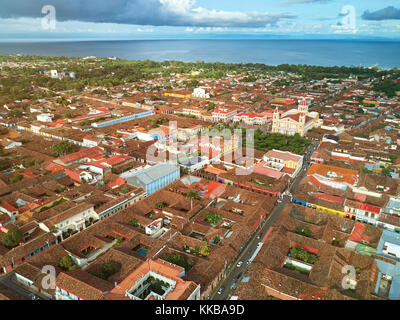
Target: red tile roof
{"x": 329, "y": 197}
{"x": 163, "y": 268}
{"x": 116, "y": 183}
{"x": 214, "y": 189}
{"x": 29, "y": 174}
{"x": 260, "y": 169}
{"x": 296, "y": 117}
{"x": 284, "y": 155}
{"x": 53, "y": 167}
{"x": 91, "y": 153}
{"x": 357, "y": 233}
{"x": 8, "y": 206}
{"x": 369, "y": 208}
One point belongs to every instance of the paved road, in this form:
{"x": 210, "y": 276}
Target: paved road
{"x": 234, "y": 274}
{"x": 8, "y": 282}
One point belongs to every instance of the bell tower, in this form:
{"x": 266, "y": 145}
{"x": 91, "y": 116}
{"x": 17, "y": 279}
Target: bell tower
{"x": 275, "y": 120}
{"x": 303, "y": 106}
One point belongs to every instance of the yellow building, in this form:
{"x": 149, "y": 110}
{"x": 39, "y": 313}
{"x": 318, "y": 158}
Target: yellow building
{"x": 294, "y": 121}
{"x": 177, "y": 95}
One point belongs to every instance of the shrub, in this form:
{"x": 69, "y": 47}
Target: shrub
{"x": 124, "y": 190}
{"x": 216, "y": 239}
{"x": 133, "y": 222}
{"x": 303, "y": 230}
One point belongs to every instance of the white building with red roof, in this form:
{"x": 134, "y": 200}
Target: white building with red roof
{"x": 224, "y": 115}
{"x": 252, "y": 118}
{"x": 8, "y": 208}
{"x": 140, "y": 284}
{"x": 277, "y": 163}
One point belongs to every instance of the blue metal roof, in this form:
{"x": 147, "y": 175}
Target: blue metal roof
{"x": 392, "y": 270}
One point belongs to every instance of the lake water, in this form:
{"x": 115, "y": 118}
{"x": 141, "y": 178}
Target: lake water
{"x": 271, "y": 52}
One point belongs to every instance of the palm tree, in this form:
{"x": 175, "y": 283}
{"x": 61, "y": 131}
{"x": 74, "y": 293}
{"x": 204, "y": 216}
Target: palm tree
{"x": 192, "y": 195}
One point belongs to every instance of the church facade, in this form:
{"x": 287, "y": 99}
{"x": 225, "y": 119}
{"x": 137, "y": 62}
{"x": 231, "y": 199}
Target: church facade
{"x": 294, "y": 121}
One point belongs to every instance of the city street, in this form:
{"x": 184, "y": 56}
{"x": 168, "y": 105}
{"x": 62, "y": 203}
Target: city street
{"x": 235, "y": 273}
{"x": 8, "y": 282}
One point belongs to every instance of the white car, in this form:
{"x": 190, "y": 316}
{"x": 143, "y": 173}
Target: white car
{"x": 239, "y": 264}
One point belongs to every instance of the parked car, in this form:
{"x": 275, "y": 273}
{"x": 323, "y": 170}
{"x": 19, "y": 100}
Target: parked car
{"x": 239, "y": 264}
{"x": 221, "y": 290}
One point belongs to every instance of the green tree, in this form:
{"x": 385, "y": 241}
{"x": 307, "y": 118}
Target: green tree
{"x": 192, "y": 195}
{"x": 213, "y": 218}
{"x": 67, "y": 263}
{"x": 68, "y": 115}
{"x": 300, "y": 253}
{"x": 205, "y": 249}
{"x": 177, "y": 259}
{"x": 62, "y": 148}
{"x": 109, "y": 268}
{"x": 133, "y": 222}
{"x": 12, "y": 237}
{"x": 393, "y": 158}
{"x": 211, "y": 106}
{"x": 217, "y": 239}
{"x": 160, "y": 205}
{"x": 16, "y": 178}
{"x": 15, "y": 114}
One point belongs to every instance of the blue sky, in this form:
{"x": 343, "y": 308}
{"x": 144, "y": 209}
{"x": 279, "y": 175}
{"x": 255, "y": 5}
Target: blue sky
{"x": 153, "y": 19}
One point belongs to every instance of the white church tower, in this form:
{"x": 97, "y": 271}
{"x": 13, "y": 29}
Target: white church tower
{"x": 275, "y": 120}
{"x": 303, "y": 106}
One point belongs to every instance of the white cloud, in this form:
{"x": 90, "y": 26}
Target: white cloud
{"x": 184, "y": 13}
{"x": 178, "y": 6}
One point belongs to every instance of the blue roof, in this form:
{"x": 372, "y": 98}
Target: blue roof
{"x": 392, "y": 204}
{"x": 153, "y": 173}
{"x": 390, "y": 269}
{"x": 394, "y": 175}
{"x": 369, "y": 166}
{"x": 192, "y": 161}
